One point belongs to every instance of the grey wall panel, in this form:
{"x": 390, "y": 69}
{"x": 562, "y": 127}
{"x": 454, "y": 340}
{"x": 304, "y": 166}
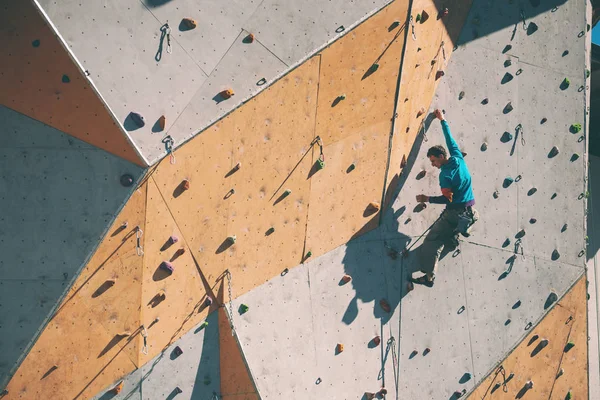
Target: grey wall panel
{"x": 61, "y": 195}
{"x": 292, "y": 30}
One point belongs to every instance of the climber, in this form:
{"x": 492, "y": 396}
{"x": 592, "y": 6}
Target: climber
{"x": 457, "y": 194}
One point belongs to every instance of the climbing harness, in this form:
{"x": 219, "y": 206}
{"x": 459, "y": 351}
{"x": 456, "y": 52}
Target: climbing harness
{"x": 138, "y": 235}
{"x": 168, "y": 141}
{"x": 228, "y": 276}
{"x": 144, "y": 334}
{"x": 412, "y": 27}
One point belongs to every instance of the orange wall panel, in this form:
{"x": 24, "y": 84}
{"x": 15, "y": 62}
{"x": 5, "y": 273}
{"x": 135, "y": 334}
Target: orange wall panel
{"x": 32, "y": 83}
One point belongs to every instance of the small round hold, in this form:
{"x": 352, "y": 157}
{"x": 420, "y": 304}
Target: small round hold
{"x": 461, "y": 95}
{"x": 66, "y": 79}
{"x": 376, "y": 340}
{"x": 543, "y": 121}
{"x": 496, "y": 194}
{"x": 126, "y": 180}
{"x": 560, "y": 373}
{"x": 36, "y": 43}
{"x": 485, "y": 101}
{"x": 532, "y": 221}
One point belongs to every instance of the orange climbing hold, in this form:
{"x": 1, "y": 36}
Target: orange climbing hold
{"x": 439, "y": 74}
{"x": 185, "y": 184}
{"x": 189, "y": 23}
{"x": 250, "y": 38}
{"x": 117, "y": 389}
{"x": 385, "y": 306}
{"x": 346, "y": 278}
{"x": 162, "y": 121}
{"x": 374, "y": 205}
{"x": 227, "y": 93}
{"x": 339, "y": 348}
{"x": 421, "y": 112}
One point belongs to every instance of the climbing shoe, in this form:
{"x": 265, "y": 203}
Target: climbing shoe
{"x": 423, "y": 280}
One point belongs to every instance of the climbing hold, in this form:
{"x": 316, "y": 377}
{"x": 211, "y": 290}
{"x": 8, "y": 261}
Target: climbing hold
{"x": 439, "y": 74}
{"x": 507, "y": 78}
{"x": 531, "y": 191}
{"x": 36, "y": 43}
{"x": 420, "y": 112}
{"x": 376, "y": 340}
{"x": 496, "y": 194}
{"x": 587, "y": 71}
{"x": 374, "y": 206}
{"x": 485, "y": 101}
{"x": 426, "y": 351}
{"x": 177, "y": 351}
{"x": 204, "y": 325}
{"x": 484, "y": 146}
{"x": 461, "y": 95}
{"x": 520, "y": 234}
{"x": 126, "y": 180}
{"x": 507, "y": 182}
{"x": 506, "y": 49}
{"x": 403, "y": 162}
{"x": 208, "y": 302}
{"x": 560, "y": 373}
{"x": 574, "y": 157}
{"x": 569, "y": 396}
{"x": 443, "y": 13}
{"x": 532, "y": 221}
{"x": 227, "y": 93}
{"x": 569, "y": 346}
{"x": 555, "y": 255}
{"x": 237, "y": 166}
{"x": 167, "y": 266}
{"x": 553, "y": 152}
{"x": 410, "y": 287}
{"x": 433, "y": 62}
{"x": 460, "y": 394}
{"x": 352, "y": 167}
{"x": 308, "y": 254}
{"x": 188, "y": 23}
{"x": 575, "y": 128}
{"x": 244, "y": 309}
{"x": 565, "y": 83}
{"x": 66, "y": 79}
{"x": 117, "y": 389}
{"x": 231, "y": 239}
{"x": 342, "y": 97}
{"x": 137, "y": 119}
{"x": 506, "y": 243}
{"x": 162, "y": 121}
{"x": 564, "y": 228}
{"x": 320, "y": 164}
{"x": 507, "y": 63}
{"x": 346, "y": 278}
{"x": 506, "y": 137}
{"x": 178, "y": 389}
{"x": 424, "y": 16}
{"x": 339, "y": 348}
{"x": 543, "y": 342}
{"x": 373, "y": 68}
{"x": 529, "y": 384}
{"x": 553, "y": 196}
{"x": 543, "y": 121}
{"x": 179, "y": 252}
{"x": 249, "y": 38}
{"x": 270, "y": 230}
{"x": 185, "y": 184}
{"x": 173, "y": 239}
{"x": 287, "y": 192}
{"x": 508, "y": 108}
{"x": 418, "y": 19}
{"x": 385, "y": 306}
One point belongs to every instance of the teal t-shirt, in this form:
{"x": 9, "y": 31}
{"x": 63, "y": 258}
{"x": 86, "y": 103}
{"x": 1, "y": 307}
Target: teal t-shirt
{"x": 454, "y": 175}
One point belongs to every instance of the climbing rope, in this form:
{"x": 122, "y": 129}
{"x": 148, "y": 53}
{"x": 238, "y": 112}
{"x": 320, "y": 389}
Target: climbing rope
{"x": 228, "y": 276}
{"x": 169, "y": 142}
{"x": 138, "y": 235}
{"x": 144, "y": 334}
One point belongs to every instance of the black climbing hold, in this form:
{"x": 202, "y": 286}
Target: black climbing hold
{"x": 574, "y": 157}
{"x": 532, "y": 28}
{"x": 543, "y": 121}
{"x": 516, "y": 305}
{"x": 507, "y": 322}
{"x": 506, "y": 49}
{"x": 126, "y": 180}
{"x": 506, "y": 243}
{"x": 485, "y": 101}
{"x": 507, "y": 63}
{"x": 519, "y": 72}
{"x": 520, "y": 234}
{"x": 66, "y": 79}
{"x": 261, "y": 82}
{"x": 507, "y": 182}
{"x": 531, "y": 191}
{"x": 340, "y": 29}
{"x": 532, "y": 221}
{"x": 565, "y": 53}
{"x": 575, "y": 128}
{"x": 555, "y": 255}
{"x": 508, "y": 108}
{"x": 507, "y": 78}
{"x": 553, "y": 152}
{"x": 484, "y": 146}
{"x": 461, "y": 95}
{"x": 496, "y": 194}
{"x": 553, "y": 196}
{"x": 137, "y": 119}
{"x": 564, "y": 228}
{"x": 565, "y": 84}
{"x": 569, "y": 346}
{"x": 36, "y": 43}
{"x": 506, "y": 137}
{"x": 394, "y": 25}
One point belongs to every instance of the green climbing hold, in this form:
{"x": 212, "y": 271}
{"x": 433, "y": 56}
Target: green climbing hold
{"x": 36, "y": 43}
{"x": 244, "y": 309}
{"x": 565, "y": 83}
{"x": 66, "y": 79}
{"x": 374, "y": 67}
{"x": 575, "y": 128}
{"x": 587, "y": 73}
{"x": 418, "y": 19}
{"x": 308, "y": 254}
{"x": 204, "y": 325}
{"x": 569, "y": 396}
{"x": 320, "y": 164}
{"x": 569, "y": 346}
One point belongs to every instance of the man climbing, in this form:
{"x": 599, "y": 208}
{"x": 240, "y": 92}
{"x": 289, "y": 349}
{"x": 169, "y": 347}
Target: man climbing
{"x": 457, "y": 194}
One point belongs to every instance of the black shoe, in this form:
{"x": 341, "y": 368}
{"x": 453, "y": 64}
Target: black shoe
{"x": 423, "y": 280}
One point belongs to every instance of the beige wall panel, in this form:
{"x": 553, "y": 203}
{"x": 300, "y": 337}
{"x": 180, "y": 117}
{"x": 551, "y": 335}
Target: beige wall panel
{"x": 565, "y": 322}
{"x": 369, "y": 102}
{"x": 183, "y": 304}
{"x": 35, "y": 67}
{"x": 275, "y": 152}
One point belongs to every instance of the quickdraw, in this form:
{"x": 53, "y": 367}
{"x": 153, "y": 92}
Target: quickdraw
{"x": 321, "y": 159}
{"x": 412, "y": 27}
{"x": 138, "y": 235}
{"x": 144, "y": 334}
{"x": 169, "y": 142}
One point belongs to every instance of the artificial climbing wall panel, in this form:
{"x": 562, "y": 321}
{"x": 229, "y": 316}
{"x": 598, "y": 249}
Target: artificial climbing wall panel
{"x": 270, "y": 137}
{"x": 39, "y": 79}
{"x": 553, "y": 356}
{"x": 428, "y": 49}
{"x": 171, "y": 302}
{"x": 93, "y": 338}
{"x": 354, "y": 114}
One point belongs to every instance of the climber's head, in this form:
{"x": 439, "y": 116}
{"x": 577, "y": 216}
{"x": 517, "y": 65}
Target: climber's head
{"x": 438, "y": 156}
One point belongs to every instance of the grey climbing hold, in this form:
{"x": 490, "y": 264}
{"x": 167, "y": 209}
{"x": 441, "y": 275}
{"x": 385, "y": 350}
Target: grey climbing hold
{"x": 520, "y": 234}
{"x": 553, "y": 152}
{"x": 138, "y": 119}
{"x": 555, "y": 255}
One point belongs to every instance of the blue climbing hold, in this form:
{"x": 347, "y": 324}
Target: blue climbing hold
{"x": 66, "y": 79}
{"x": 507, "y": 182}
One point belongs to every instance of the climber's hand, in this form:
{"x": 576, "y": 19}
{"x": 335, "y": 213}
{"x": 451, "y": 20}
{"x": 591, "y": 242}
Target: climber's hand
{"x": 439, "y": 114}
{"x": 421, "y": 198}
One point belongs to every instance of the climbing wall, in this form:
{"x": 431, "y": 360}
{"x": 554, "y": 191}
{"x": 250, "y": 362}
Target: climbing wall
{"x": 40, "y": 80}
{"x": 553, "y": 356}
{"x": 61, "y": 194}
{"x": 179, "y": 70}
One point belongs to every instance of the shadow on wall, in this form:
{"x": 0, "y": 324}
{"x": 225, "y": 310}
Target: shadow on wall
{"x": 483, "y": 21}
{"x": 156, "y": 3}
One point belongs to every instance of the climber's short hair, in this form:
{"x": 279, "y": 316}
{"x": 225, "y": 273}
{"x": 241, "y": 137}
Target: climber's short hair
{"x": 437, "y": 151}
